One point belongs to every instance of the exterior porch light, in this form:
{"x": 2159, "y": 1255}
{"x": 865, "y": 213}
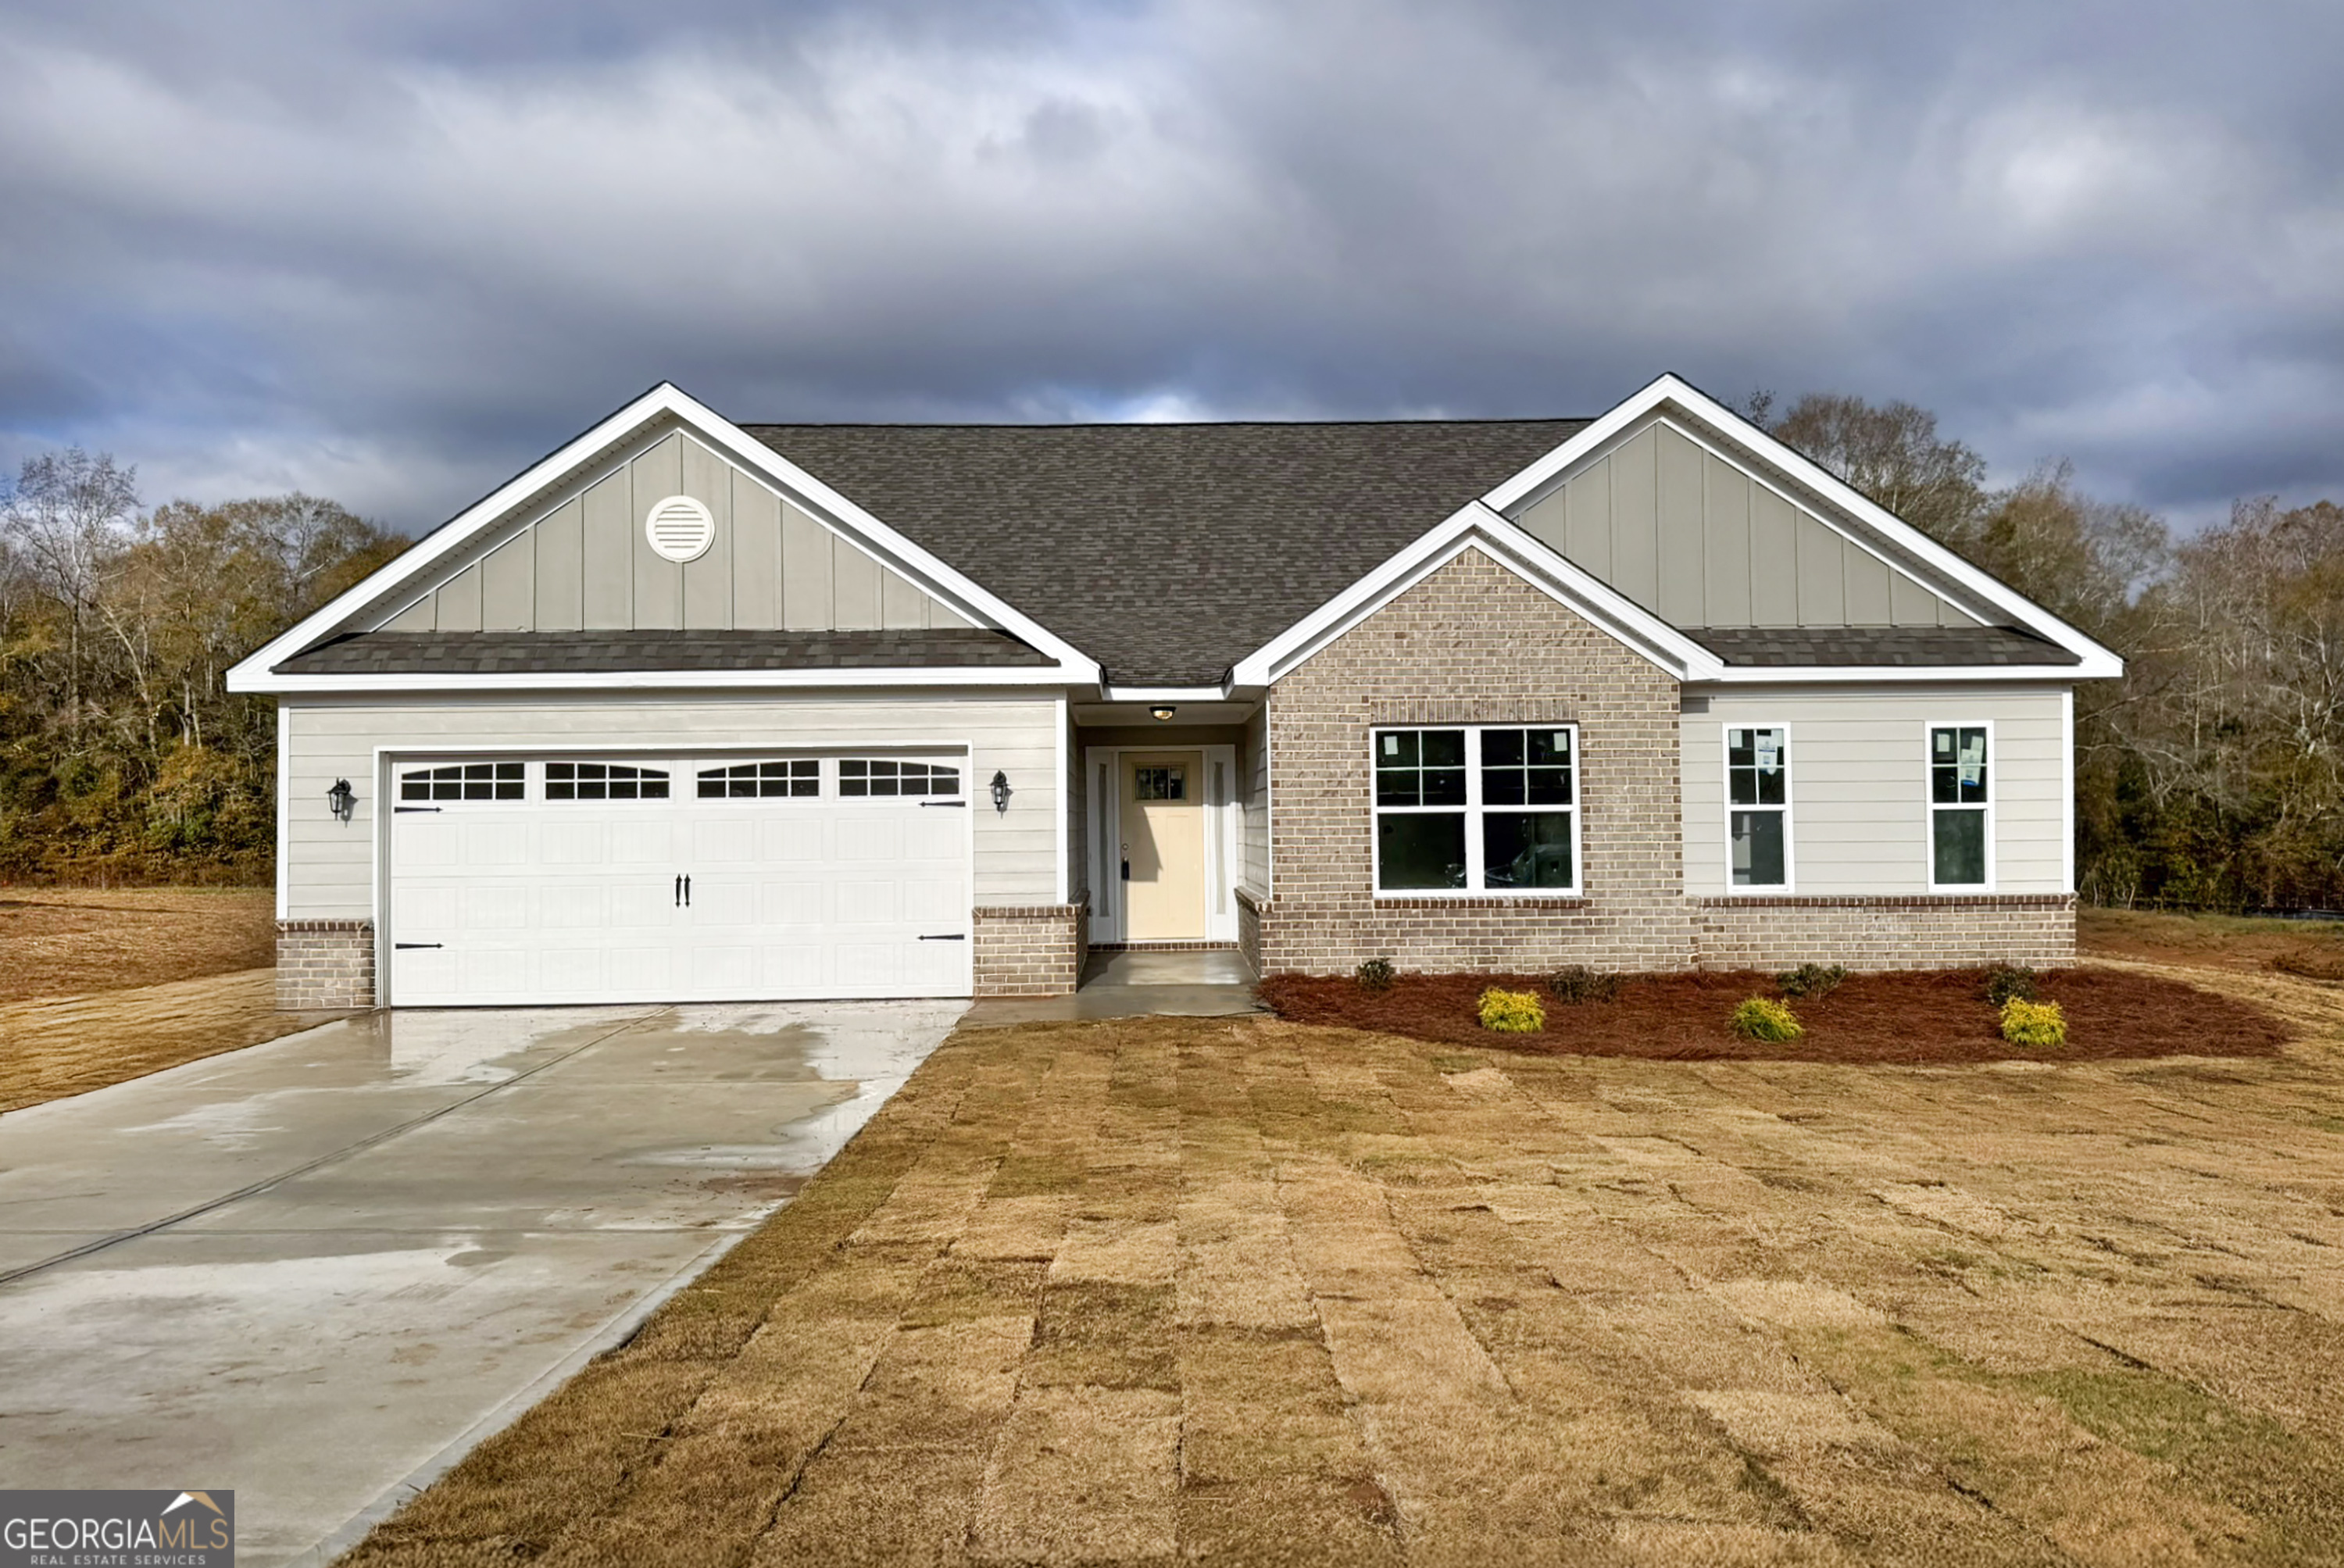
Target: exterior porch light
{"x": 1161, "y": 711}
{"x": 1000, "y": 791}
{"x": 341, "y": 799}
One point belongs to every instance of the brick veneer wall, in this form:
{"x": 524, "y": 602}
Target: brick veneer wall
{"x": 325, "y": 965}
{"x": 1029, "y": 950}
{"x": 1249, "y": 930}
{"x": 1917, "y": 933}
{"x": 1474, "y": 643}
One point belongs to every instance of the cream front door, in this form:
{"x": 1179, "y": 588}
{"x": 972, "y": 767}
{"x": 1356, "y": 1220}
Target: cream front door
{"x": 1163, "y": 846}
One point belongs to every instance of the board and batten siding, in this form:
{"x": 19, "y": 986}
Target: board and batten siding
{"x": 328, "y": 868}
{"x": 1699, "y": 542}
{"x": 1859, "y": 784}
{"x": 584, "y": 565}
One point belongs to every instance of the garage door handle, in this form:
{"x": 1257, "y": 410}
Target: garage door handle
{"x": 953, "y": 936}
{"x": 403, "y": 946}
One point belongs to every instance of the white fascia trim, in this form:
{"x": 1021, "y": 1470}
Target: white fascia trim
{"x": 1870, "y": 674}
{"x": 1476, "y": 524}
{"x": 1173, "y": 694}
{"x": 2099, "y": 661}
{"x": 669, "y": 401}
{"x": 668, "y": 680}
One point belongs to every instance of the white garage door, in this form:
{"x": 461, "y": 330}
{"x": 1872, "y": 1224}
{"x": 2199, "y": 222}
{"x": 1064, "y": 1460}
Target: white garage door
{"x": 676, "y": 879}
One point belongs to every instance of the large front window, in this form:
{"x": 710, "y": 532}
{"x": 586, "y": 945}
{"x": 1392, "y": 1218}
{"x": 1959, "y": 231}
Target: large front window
{"x": 1477, "y": 809}
{"x": 1961, "y": 806}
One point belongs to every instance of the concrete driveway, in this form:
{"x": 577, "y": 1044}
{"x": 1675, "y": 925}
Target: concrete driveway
{"x": 317, "y": 1271}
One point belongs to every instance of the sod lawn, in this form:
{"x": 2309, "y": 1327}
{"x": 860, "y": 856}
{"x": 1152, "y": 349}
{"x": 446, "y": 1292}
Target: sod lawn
{"x": 1252, "y": 1292}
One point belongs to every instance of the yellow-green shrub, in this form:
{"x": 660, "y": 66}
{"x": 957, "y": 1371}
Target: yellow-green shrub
{"x": 2040, "y": 1024}
{"x": 1511, "y": 1012}
{"x": 1763, "y": 1018}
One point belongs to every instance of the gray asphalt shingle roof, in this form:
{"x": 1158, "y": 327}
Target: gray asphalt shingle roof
{"x": 1883, "y": 645}
{"x": 611, "y": 653}
{"x": 1167, "y": 552}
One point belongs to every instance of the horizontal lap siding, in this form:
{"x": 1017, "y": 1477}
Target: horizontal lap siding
{"x": 1859, "y": 813}
{"x": 330, "y": 869}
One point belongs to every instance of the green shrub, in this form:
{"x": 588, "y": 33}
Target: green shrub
{"x": 1812, "y": 979}
{"x": 2004, "y": 981}
{"x": 1577, "y": 983}
{"x": 2033, "y": 1024}
{"x": 1376, "y": 975}
{"x": 1763, "y": 1018}
{"x": 1511, "y": 1012}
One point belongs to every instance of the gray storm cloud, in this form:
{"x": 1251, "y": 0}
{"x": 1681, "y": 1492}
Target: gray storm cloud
{"x": 392, "y": 254}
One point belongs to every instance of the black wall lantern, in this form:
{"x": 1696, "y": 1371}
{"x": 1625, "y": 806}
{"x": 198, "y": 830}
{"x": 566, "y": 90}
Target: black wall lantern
{"x": 1000, "y": 791}
{"x": 341, "y": 799}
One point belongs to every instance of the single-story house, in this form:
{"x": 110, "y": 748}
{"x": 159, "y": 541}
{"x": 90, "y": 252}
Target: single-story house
{"x": 697, "y": 710}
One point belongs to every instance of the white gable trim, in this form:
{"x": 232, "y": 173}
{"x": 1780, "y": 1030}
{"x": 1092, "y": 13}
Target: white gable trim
{"x": 666, "y": 401}
{"x": 2097, "y": 661}
{"x": 1476, "y": 526}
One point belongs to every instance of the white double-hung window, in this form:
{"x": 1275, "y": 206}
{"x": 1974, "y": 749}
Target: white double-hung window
{"x": 1758, "y": 806}
{"x": 1487, "y": 808}
{"x": 1961, "y": 807}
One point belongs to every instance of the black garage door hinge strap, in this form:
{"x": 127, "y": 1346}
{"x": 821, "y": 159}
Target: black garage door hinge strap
{"x": 944, "y": 803}
{"x": 403, "y": 945}
{"x": 955, "y": 936}
{"x": 397, "y": 809}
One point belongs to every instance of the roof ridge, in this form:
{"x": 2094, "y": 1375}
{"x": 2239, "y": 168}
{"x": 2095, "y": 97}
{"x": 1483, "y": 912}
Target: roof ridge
{"x": 1152, "y": 424}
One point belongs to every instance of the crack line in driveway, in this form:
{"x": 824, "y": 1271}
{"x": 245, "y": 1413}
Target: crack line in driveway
{"x": 11, "y": 1275}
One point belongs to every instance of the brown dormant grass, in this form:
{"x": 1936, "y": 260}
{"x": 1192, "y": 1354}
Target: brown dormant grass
{"x": 1249, "y": 1292}
{"x": 70, "y": 942}
{"x": 101, "y": 986}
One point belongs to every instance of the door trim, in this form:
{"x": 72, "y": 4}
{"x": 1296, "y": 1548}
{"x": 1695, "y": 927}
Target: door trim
{"x": 1103, "y": 834}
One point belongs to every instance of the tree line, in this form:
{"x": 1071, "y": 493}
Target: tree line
{"x": 2211, "y": 776}
{"x": 123, "y": 756}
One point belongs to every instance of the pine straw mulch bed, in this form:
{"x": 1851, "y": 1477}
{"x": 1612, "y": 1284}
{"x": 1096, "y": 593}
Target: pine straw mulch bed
{"x": 1909, "y": 1017}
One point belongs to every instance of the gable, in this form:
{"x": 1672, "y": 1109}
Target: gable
{"x": 1696, "y": 539}
{"x": 581, "y": 562}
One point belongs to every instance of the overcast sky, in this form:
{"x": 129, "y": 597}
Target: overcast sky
{"x": 393, "y": 253}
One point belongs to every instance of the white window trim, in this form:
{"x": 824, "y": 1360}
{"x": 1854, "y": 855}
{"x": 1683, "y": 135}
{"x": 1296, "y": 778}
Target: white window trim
{"x": 1790, "y": 883}
{"x": 1472, "y": 808}
{"x": 1929, "y": 808}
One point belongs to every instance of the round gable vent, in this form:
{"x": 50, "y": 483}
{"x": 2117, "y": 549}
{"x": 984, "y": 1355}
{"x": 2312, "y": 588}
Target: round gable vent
{"x": 680, "y": 529}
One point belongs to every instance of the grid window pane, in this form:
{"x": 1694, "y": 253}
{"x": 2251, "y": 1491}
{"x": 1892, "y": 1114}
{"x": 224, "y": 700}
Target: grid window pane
{"x": 1420, "y": 850}
{"x": 1159, "y": 784}
{"x": 1526, "y": 767}
{"x": 465, "y": 781}
{"x": 1959, "y": 846}
{"x": 1957, "y": 766}
{"x": 1421, "y": 767}
{"x": 883, "y": 776}
{"x": 1757, "y": 846}
{"x": 603, "y": 781}
{"x": 1757, "y": 766}
{"x": 1527, "y": 849}
{"x": 794, "y": 777}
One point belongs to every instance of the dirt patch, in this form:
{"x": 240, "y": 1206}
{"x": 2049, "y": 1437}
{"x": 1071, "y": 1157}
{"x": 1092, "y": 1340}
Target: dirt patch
{"x": 1915, "y": 1016}
{"x": 70, "y": 942}
{"x": 68, "y": 1045}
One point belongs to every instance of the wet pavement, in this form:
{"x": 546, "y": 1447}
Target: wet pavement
{"x": 1207, "y": 983}
{"x": 318, "y": 1269}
